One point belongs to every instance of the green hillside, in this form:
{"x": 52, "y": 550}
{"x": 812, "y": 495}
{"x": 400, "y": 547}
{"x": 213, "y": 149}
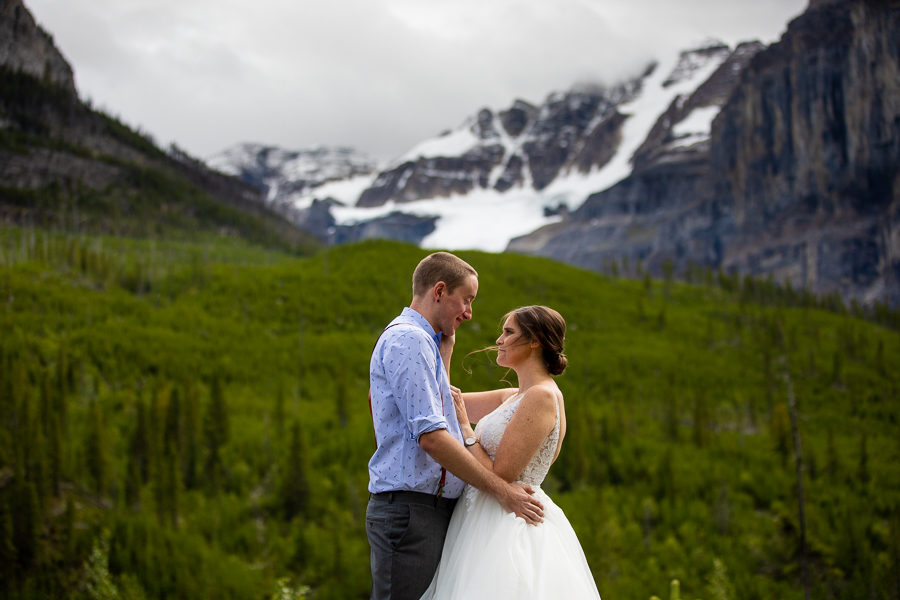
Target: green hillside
{"x": 69, "y": 167}
{"x": 189, "y": 420}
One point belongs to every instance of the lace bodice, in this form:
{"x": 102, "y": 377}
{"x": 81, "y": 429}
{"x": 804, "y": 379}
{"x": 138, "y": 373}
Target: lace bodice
{"x": 490, "y": 431}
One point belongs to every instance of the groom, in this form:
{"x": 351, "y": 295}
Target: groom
{"x": 420, "y": 465}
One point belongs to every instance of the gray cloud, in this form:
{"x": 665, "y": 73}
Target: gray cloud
{"x": 379, "y": 75}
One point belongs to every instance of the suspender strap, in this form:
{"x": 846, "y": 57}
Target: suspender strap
{"x": 440, "y": 490}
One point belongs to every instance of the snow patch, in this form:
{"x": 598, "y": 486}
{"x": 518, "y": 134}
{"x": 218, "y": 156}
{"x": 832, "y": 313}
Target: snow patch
{"x": 454, "y": 143}
{"x": 480, "y": 220}
{"x": 696, "y": 127}
{"x": 345, "y": 191}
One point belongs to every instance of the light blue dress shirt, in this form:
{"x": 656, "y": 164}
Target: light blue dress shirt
{"x": 407, "y": 381}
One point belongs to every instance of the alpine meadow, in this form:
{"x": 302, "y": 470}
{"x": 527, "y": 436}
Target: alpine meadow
{"x": 188, "y": 419}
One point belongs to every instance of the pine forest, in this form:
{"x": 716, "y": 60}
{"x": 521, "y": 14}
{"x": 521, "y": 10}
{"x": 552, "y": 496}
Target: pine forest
{"x": 188, "y": 419}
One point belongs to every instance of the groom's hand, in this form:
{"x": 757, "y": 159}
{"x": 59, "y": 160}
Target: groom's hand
{"x": 446, "y": 349}
{"x": 522, "y": 502}
{"x": 448, "y": 341}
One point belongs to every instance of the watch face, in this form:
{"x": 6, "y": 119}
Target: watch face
{"x": 470, "y": 441}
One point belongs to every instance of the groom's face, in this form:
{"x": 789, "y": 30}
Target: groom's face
{"x": 456, "y": 306}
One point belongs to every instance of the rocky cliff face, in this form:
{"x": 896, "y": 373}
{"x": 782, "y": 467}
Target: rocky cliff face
{"x": 799, "y": 179}
{"x": 807, "y": 160}
{"x": 27, "y": 48}
{"x": 661, "y": 211}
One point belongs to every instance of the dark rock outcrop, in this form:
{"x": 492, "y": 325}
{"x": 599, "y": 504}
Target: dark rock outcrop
{"x": 798, "y": 180}
{"x": 516, "y": 118}
{"x": 27, "y": 48}
{"x": 395, "y": 226}
{"x": 435, "y": 177}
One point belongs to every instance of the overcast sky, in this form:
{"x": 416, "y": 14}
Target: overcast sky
{"x": 378, "y": 75}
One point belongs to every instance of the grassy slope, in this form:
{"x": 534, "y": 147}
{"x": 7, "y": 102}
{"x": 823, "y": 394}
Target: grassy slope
{"x": 676, "y": 397}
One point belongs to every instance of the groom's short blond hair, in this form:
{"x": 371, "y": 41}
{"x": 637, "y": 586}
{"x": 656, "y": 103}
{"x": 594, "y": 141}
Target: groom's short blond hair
{"x": 440, "y": 266}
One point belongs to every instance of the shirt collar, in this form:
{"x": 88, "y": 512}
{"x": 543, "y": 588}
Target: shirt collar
{"x": 422, "y": 322}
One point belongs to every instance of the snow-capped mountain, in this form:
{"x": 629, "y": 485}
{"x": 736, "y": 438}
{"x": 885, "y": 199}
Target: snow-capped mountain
{"x": 502, "y": 173}
{"x": 294, "y": 176}
{"x": 778, "y": 161}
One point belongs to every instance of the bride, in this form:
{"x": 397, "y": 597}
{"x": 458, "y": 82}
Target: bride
{"x": 489, "y": 553}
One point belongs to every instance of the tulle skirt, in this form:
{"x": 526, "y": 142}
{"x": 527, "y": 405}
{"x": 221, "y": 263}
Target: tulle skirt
{"x": 489, "y": 553}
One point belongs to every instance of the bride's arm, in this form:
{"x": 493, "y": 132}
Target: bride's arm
{"x": 526, "y": 431}
{"x": 479, "y": 404}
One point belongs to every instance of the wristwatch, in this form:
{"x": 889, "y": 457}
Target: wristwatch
{"x": 470, "y": 441}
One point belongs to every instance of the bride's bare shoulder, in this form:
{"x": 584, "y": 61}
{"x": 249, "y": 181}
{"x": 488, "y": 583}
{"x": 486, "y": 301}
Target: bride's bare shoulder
{"x": 542, "y": 397}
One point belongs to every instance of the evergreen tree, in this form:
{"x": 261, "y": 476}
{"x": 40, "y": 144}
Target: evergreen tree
{"x": 279, "y": 413}
{"x": 215, "y": 430}
{"x": 665, "y": 477}
{"x": 7, "y": 547}
{"x": 191, "y": 442}
{"x": 172, "y": 434}
{"x": 27, "y": 523}
{"x": 294, "y": 485}
{"x": 341, "y": 394}
{"x": 720, "y": 587}
{"x": 69, "y": 540}
{"x": 170, "y": 472}
{"x": 769, "y": 374}
{"x": 54, "y": 455}
{"x": 37, "y": 467}
{"x": 863, "y": 468}
{"x": 64, "y": 381}
{"x": 837, "y": 368}
{"x": 171, "y": 481}
{"x": 95, "y": 450}
{"x": 702, "y": 420}
{"x": 139, "y": 446}
{"x": 780, "y": 429}
{"x": 46, "y": 403}
{"x": 98, "y": 581}
{"x": 832, "y": 465}
{"x": 132, "y": 482}
{"x": 155, "y": 432}
{"x": 20, "y": 418}
{"x": 670, "y": 418}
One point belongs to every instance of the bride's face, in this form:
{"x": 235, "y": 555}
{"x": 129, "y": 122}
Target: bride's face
{"x": 512, "y": 347}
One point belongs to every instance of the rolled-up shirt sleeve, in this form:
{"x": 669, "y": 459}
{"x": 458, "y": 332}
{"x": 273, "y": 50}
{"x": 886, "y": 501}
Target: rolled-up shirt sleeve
{"x": 414, "y": 379}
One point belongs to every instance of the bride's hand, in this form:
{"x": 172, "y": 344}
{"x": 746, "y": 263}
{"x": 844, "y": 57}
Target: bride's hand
{"x": 460, "y": 405}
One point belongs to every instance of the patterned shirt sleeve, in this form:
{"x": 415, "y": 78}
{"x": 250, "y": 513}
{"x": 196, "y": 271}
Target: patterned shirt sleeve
{"x": 412, "y": 370}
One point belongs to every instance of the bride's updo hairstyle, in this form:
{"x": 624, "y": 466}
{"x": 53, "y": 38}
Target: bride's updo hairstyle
{"x": 547, "y": 327}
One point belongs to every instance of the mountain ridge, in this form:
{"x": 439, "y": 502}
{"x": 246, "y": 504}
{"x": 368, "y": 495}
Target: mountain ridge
{"x": 64, "y": 165}
{"x": 773, "y": 162}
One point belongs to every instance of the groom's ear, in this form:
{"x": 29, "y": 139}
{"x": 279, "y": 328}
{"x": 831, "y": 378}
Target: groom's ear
{"x": 439, "y": 289}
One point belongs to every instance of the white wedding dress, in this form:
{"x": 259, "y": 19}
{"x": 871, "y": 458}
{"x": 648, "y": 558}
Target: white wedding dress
{"x": 489, "y": 553}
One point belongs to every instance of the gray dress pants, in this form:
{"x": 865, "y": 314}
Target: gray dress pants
{"x": 406, "y": 532}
